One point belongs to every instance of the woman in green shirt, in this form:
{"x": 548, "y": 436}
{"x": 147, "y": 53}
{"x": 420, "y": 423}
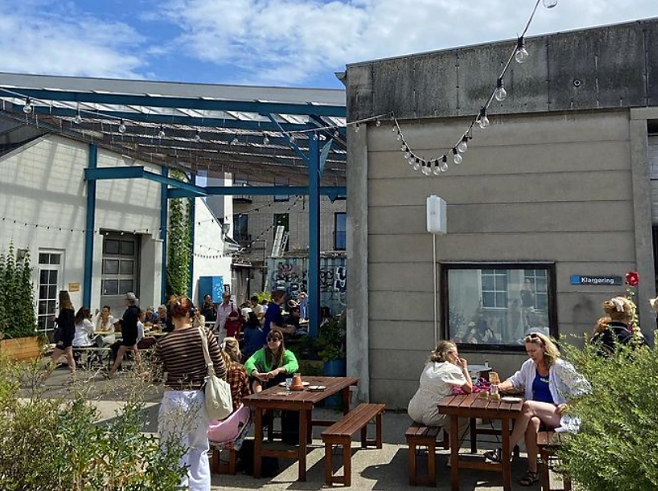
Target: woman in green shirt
{"x": 271, "y": 364}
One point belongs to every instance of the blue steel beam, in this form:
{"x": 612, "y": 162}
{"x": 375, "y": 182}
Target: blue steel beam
{"x": 164, "y": 213}
{"x": 90, "y": 226}
{"x": 170, "y": 119}
{"x": 314, "y": 237}
{"x": 192, "y": 216}
{"x": 183, "y": 102}
{"x": 331, "y": 191}
{"x": 138, "y": 172}
{"x": 291, "y": 142}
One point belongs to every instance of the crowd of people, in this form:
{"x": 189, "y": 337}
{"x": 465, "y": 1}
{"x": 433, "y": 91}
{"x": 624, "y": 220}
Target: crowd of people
{"x": 547, "y": 383}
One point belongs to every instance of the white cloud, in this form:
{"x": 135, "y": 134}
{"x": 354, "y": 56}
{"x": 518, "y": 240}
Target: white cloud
{"x": 290, "y": 41}
{"x": 37, "y": 36}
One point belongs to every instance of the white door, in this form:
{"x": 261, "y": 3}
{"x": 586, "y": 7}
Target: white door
{"x": 50, "y": 282}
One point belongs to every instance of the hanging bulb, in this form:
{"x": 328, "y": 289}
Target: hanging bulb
{"x": 521, "y": 54}
{"x": 315, "y": 136}
{"x": 336, "y": 134}
{"x": 456, "y": 158}
{"x": 399, "y": 137}
{"x": 416, "y": 164}
{"x": 78, "y": 118}
{"x": 292, "y": 137}
{"x": 378, "y": 123}
{"x": 197, "y": 136}
{"x": 444, "y": 164}
{"x": 394, "y": 129}
{"x": 463, "y": 145}
{"x": 549, "y": 4}
{"x": 266, "y": 140}
{"x": 483, "y": 120}
{"x": 356, "y": 128}
{"x": 122, "y": 127}
{"x": 500, "y": 94}
{"x": 27, "y": 108}
{"x": 161, "y": 133}
{"x": 235, "y": 141}
{"x": 437, "y": 169}
{"x": 322, "y": 138}
{"x": 407, "y": 155}
{"x": 412, "y": 160}
{"x": 427, "y": 171}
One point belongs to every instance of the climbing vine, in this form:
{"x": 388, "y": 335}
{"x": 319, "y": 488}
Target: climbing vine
{"x": 179, "y": 243}
{"x": 17, "y": 317}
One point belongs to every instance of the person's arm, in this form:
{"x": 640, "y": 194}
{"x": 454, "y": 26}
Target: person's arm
{"x": 290, "y": 364}
{"x": 468, "y": 384}
{"x": 256, "y": 359}
{"x": 516, "y": 381}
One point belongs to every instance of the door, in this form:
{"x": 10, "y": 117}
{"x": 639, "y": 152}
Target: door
{"x": 120, "y": 270}
{"x": 50, "y": 282}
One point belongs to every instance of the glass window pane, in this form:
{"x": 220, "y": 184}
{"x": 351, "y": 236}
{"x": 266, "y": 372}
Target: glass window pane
{"x": 110, "y": 266}
{"x": 55, "y": 258}
{"x": 43, "y": 307}
{"x": 126, "y": 267}
{"x": 487, "y": 282}
{"x": 43, "y": 291}
{"x": 52, "y": 306}
{"x": 489, "y": 299}
{"x": 111, "y": 246}
{"x": 127, "y": 248}
{"x": 52, "y": 291}
{"x": 42, "y": 323}
{"x": 110, "y": 287}
{"x": 52, "y": 277}
{"x": 125, "y": 286}
{"x": 43, "y": 276}
{"x": 501, "y": 300}
{"x": 43, "y": 258}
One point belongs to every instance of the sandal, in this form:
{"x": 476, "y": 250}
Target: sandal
{"x": 494, "y": 455}
{"x": 529, "y": 478}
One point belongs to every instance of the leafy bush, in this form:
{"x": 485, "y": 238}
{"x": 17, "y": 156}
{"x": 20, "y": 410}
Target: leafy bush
{"x": 17, "y": 318}
{"x": 57, "y": 444}
{"x": 616, "y": 447}
{"x": 179, "y": 243}
{"x": 330, "y": 343}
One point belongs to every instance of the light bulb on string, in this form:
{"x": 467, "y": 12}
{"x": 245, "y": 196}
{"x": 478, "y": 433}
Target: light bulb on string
{"x": 463, "y": 145}
{"x": 549, "y": 4}
{"x": 378, "y": 123}
{"x": 266, "y": 140}
{"x": 407, "y": 155}
{"x": 500, "y": 94}
{"x": 78, "y": 118}
{"x": 444, "y": 164}
{"x": 456, "y": 157}
{"x": 411, "y": 160}
{"x": 399, "y": 137}
{"x": 315, "y": 136}
{"x": 336, "y": 134}
{"x": 426, "y": 170}
{"x": 235, "y": 141}
{"x": 483, "y": 120}
{"x": 436, "y": 170}
{"x": 197, "y": 136}
{"x": 161, "y": 133}
{"x": 521, "y": 55}
{"x": 356, "y": 128}
{"x": 27, "y": 107}
{"x": 122, "y": 127}
{"x": 394, "y": 128}
{"x": 416, "y": 164}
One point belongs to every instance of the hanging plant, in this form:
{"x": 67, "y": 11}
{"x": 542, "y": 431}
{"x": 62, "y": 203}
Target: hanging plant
{"x": 179, "y": 243}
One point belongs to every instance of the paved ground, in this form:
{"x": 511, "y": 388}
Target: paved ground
{"x": 372, "y": 469}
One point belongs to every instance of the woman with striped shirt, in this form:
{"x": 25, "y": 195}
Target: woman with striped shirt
{"x": 182, "y": 412}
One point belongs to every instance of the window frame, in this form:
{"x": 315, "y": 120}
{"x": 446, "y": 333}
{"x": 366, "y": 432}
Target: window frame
{"x": 444, "y": 298}
{"x": 336, "y": 231}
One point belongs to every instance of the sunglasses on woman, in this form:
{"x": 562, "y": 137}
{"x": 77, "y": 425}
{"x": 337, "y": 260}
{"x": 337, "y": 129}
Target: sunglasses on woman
{"x": 273, "y": 339}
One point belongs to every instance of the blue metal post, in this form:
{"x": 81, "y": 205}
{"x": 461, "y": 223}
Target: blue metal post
{"x": 314, "y": 236}
{"x": 164, "y": 212}
{"x": 192, "y": 203}
{"x": 89, "y": 233}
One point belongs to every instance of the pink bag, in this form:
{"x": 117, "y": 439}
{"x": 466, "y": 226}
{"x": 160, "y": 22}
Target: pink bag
{"x": 227, "y": 430}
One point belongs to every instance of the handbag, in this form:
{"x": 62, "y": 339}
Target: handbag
{"x": 219, "y": 403}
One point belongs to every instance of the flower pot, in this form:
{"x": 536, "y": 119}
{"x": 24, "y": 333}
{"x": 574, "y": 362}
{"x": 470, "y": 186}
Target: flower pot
{"x": 21, "y": 349}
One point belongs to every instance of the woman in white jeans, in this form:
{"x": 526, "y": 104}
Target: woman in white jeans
{"x": 182, "y": 412}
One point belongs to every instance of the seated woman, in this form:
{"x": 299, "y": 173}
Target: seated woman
{"x": 236, "y": 374}
{"x": 443, "y": 371}
{"x": 617, "y": 330}
{"x": 549, "y": 383}
{"x": 84, "y": 329}
{"x": 271, "y": 364}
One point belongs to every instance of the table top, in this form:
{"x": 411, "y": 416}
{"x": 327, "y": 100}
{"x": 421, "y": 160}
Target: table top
{"x": 277, "y": 397}
{"x": 473, "y": 406}
{"x": 479, "y": 368}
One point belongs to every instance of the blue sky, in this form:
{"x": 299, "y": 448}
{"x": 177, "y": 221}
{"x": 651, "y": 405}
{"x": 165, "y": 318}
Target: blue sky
{"x": 297, "y": 43}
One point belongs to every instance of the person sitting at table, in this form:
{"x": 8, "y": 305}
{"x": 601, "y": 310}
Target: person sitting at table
{"x": 548, "y": 383}
{"x": 617, "y": 331}
{"x": 236, "y": 374}
{"x": 162, "y": 317}
{"x": 291, "y": 322}
{"x": 84, "y": 329}
{"x": 271, "y": 364}
{"x": 105, "y": 322}
{"x": 252, "y": 336}
{"x": 443, "y": 371}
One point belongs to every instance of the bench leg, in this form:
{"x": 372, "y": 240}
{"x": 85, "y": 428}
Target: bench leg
{"x": 231, "y": 461}
{"x": 412, "y": 464}
{"x": 543, "y": 471}
{"x": 347, "y": 464}
{"x": 378, "y": 435}
{"x": 214, "y": 460}
{"x": 446, "y": 440}
{"x": 364, "y": 436}
{"x": 474, "y": 436}
{"x": 328, "y": 465}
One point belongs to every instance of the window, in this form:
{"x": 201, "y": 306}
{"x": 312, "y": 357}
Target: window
{"x": 497, "y": 304}
{"x": 241, "y": 228}
{"x": 49, "y": 274}
{"x": 340, "y": 239}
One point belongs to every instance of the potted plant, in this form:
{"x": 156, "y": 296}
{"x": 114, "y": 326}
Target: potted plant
{"x": 330, "y": 346}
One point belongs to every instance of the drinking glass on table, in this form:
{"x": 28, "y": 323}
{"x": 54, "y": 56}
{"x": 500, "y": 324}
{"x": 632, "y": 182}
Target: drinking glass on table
{"x": 288, "y": 384}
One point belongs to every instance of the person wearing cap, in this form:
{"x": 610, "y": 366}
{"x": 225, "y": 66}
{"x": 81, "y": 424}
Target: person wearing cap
{"x": 129, "y": 330}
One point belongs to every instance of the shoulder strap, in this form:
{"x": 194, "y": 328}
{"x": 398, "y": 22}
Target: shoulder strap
{"x": 206, "y": 353}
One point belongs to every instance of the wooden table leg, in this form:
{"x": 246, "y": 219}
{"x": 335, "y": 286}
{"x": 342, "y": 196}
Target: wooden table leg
{"x": 309, "y": 427}
{"x": 474, "y": 436}
{"x": 258, "y": 441}
{"x": 454, "y": 452}
{"x": 346, "y": 400}
{"x": 303, "y": 415}
{"x": 507, "y": 465}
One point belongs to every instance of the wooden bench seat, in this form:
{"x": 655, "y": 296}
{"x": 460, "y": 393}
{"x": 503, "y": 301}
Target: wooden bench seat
{"x": 341, "y": 432}
{"x": 423, "y": 436}
{"x": 548, "y": 442}
{"x": 216, "y": 465}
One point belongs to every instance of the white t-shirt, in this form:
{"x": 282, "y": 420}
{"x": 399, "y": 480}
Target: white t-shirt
{"x": 140, "y": 331}
{"x": 436, "y": 382}
{"x": 83, "y": 333}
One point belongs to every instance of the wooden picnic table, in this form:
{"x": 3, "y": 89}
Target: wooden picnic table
{"x": 277, "y": 398}
{"x": 472, "y": 406}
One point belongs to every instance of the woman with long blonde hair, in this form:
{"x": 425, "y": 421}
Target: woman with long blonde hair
{"x": 548, "y": 384}
{"x": 236, "y": 375}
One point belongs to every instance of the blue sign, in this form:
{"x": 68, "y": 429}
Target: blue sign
{"x": 577, "y": 279}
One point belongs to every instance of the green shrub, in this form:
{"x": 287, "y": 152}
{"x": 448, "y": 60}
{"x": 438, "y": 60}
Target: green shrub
{"x": 617, "y": 446}
{"x": 179, "y": 243}
{"x": 330, "y": 343}
{"x": 58, "y": 444}
{"x": 17, "y": 318}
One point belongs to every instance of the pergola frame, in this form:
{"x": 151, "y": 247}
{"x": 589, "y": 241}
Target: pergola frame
{"x": 298, "y": 141}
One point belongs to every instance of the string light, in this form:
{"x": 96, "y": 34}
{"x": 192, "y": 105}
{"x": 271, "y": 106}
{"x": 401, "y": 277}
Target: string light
{"x": 456, "y": 157}
{"x": 161, "y": 133}
{"x": 483, "y": 120}
{"x": 197, "y": 136}
{"x": 444, "y": 164}
{"x": 521, "y": 55}
{"x": 122, "y": 127}
{"x": 463, "y": 145}
{"x": 78, "y": 117}
{"x": 549, "y": 4}
{"x": 500, "y": 94}
{"x": 378, "y": 123}
{"x": 356, "y": 128}
{"x": 235, "y": 140}
{"x": 266, "y": 140}
{"x": 437, "y": 169}
{"x": 27, "y": 107}
{"x": 315, "y": 137}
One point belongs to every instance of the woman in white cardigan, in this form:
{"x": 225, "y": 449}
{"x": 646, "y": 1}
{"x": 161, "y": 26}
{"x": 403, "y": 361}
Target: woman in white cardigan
{"x": 549, "y": 383}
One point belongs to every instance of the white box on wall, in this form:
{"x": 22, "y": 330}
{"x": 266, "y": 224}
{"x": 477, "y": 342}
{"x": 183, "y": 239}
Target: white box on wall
{"x": 437, "y": 222}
